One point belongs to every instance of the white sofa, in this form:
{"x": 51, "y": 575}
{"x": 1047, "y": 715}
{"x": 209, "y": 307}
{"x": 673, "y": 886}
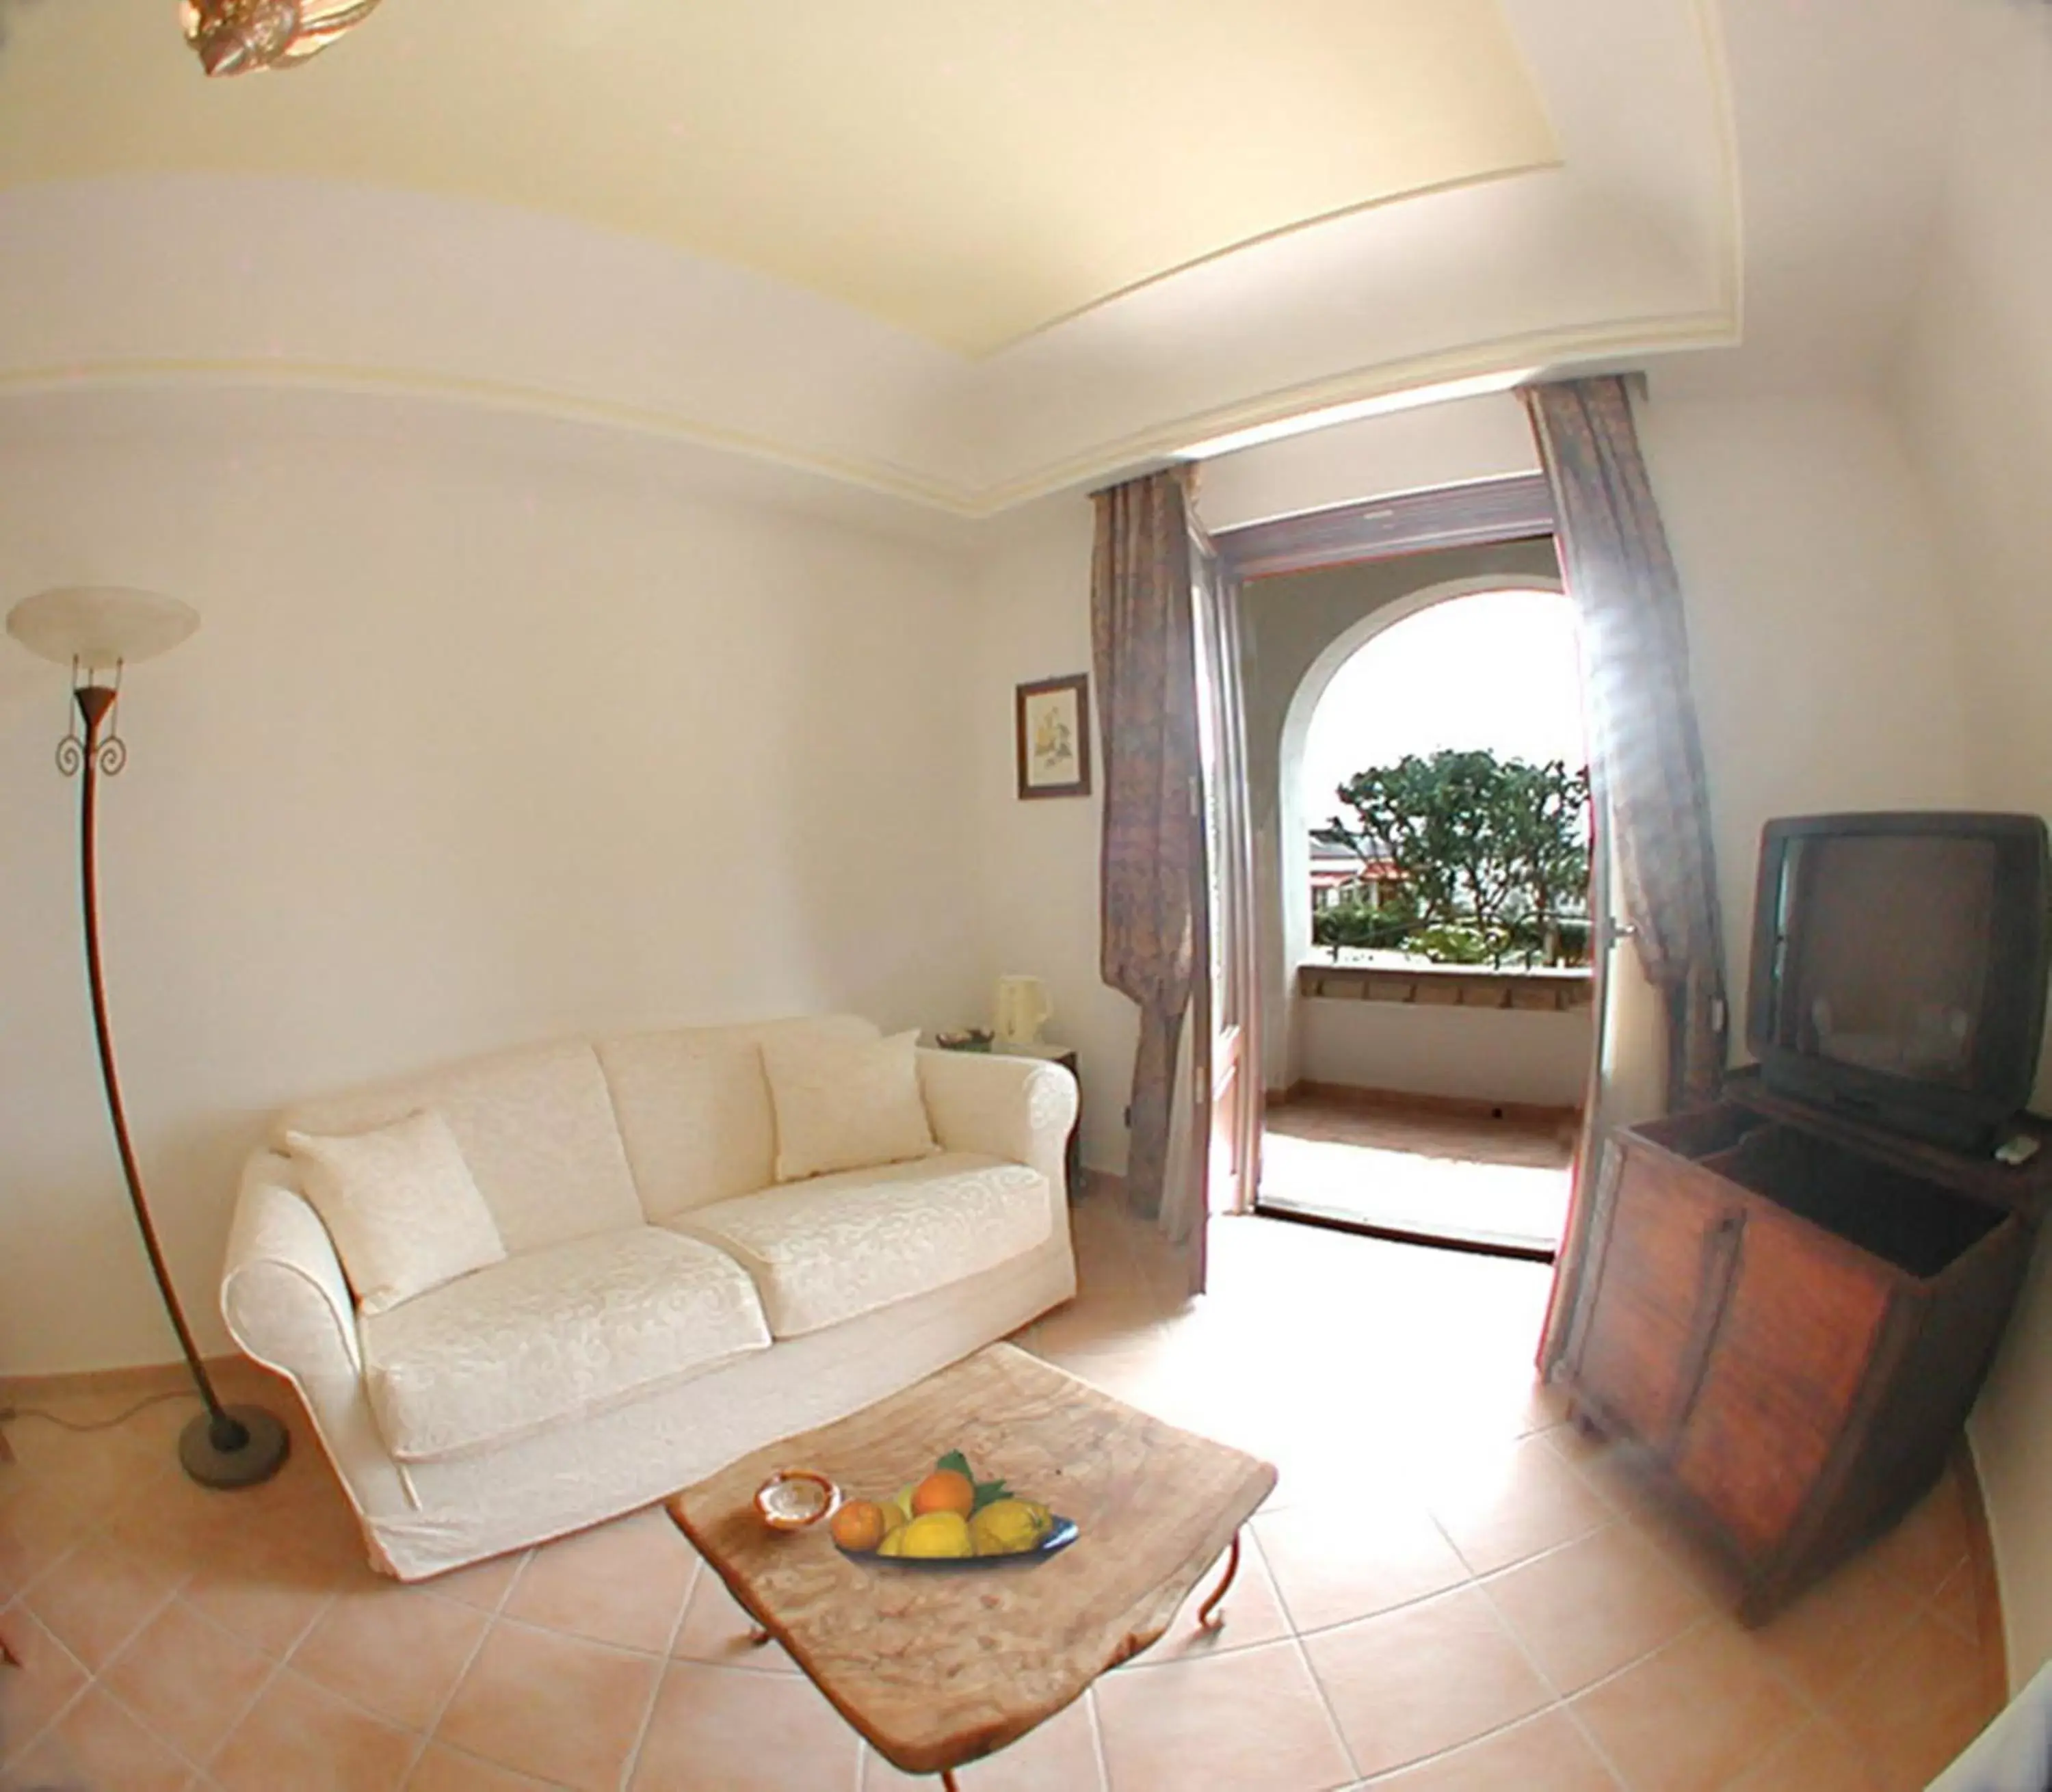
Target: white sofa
{"x": 662, "y": 1308}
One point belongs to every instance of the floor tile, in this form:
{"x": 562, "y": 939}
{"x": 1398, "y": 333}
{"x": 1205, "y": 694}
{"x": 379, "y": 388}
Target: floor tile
{"x": 443, "y": 1769}
{"x": 554, "y": 1706}
{"x": 1930, "y": 1541}
{"x": 1252, "y": 1719}
{"x": 716, "y": 1629}
{"x": 720, "y": 1730}
{"x": 99, "y": 1596}
{"x": 1591, "y": 1606}
{"x": 623, "y": 1582}
{"x": 1838, "y": 1627}
{"x": 1384, "y": 1381}
{"x": 1333, "y": 1564}
{"x": 49, "y": 1678}
{"x": 483, "y": 1584}
{"x": 1693, "y": 1716}
{"x": 299, "y": 1736}
{"x": 1499, "y": 1507}
{"x": 98, "y": 1744}
{"x": 268, "y": 1592}
{"x": 398, "y": 1651}
{"x": 1957, "y": 1601}
{"x": 1548, "y": 1753}
{"x": 1916, "y": 1706}
{"x": 188, "y": 1679}
{"x": 1061, "y": 1755}
{"x": 1252, "y": 1613}
{"x": 1415, "y": 1682}
{"x": 1816, "y": 1758}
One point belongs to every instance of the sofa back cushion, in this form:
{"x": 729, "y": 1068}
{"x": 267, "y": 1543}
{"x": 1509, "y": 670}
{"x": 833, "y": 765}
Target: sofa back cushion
{"x": 401, "y": 1205}
{"x": 694, "y": 1107}
{"x": 535, "y": 1126}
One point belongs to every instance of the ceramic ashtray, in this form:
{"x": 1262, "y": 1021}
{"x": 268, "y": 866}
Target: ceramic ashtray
{"x": 792, "y": 1498}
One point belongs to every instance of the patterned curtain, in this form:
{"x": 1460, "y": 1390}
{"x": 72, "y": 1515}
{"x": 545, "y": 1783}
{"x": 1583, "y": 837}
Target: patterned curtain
{"x": 1143, "y": 656}
{"x": 1649, "y": 758}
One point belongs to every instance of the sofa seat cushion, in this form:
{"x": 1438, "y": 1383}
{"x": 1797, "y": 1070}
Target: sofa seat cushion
{"x": 836, "y": 1246}
{"x": 552, "y": 1335}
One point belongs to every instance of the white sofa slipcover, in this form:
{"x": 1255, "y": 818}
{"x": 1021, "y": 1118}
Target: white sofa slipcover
{"x": 663, "y": 1308}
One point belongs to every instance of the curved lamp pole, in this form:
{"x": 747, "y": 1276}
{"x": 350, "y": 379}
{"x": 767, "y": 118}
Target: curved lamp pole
{"x": 96, "y": 631}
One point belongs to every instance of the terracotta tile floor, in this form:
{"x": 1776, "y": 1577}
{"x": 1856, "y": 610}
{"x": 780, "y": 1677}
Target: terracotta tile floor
{"x": 1450, "y": 1592}
{"x": 1419, "y": 1170}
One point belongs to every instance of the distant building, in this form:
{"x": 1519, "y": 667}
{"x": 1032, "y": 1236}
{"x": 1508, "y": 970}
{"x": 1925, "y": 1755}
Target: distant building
{"x": 1340, "y": 873}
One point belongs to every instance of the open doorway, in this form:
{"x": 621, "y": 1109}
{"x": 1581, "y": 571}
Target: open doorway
{"x": 1431, "y": 1031}
{"x": 1445, "y": 1028}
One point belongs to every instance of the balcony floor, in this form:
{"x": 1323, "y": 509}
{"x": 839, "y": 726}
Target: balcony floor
{"x": 1415, "y": 1169}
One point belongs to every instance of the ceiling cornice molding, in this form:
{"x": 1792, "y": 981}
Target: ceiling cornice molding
{"x": 1552, "y": 350}
{"x": 1731, "y": 224}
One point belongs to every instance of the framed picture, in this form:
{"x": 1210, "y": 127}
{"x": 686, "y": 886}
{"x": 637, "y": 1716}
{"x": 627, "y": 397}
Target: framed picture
{"x": 1053, "y": 718}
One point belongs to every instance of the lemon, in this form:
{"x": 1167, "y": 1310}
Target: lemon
{"x": 1007, "y": 1527}
{"x": 893, "y": 1543}
{"x": 934, "y": 1533}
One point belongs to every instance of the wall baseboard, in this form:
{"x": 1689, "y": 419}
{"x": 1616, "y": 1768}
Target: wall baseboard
{"x": 1988, "y": 1590}
{"x": 141, "y": 1380}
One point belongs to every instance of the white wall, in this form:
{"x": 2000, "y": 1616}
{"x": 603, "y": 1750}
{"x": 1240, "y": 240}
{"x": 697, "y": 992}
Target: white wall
{"x": 1822, "y": 643}
{"x": 1040, "y": 856}
{"x": 1976, "y": 387}
{"x": 476, "y": 744}
{"x": 1485, "y": 1054}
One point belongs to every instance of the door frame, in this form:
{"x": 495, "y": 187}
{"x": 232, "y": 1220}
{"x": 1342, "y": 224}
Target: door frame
{"x": 1481, "y": 512}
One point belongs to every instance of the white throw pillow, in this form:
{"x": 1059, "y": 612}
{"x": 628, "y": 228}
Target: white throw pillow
{"x": 845, "y": 1104}
{"x": 401, "y": 1206}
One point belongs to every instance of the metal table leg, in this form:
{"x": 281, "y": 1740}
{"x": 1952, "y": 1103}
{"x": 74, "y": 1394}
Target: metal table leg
{"x": 1206, "y": 1619}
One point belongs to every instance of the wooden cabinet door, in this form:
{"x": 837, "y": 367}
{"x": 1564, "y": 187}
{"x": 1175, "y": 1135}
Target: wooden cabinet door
{"x": 1790, "y": 1355}
{"x": 1659, "y": 1279}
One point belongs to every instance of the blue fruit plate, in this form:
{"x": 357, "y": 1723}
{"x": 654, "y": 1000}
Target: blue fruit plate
{"x": 1061, "y": 1532}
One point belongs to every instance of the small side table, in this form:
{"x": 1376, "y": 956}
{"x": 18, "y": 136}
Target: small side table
{"x": 1066, "y": 1057}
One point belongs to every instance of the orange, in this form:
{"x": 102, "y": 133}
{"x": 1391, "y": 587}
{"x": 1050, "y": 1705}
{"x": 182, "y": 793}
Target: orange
{"x": 944, "y": 1490}
{"x": 858, "y": 1525}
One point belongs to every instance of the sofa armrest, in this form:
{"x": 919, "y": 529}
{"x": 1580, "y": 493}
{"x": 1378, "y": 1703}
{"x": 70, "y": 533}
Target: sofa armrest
{"x": 282, "y": 1290}
{"x": 1021, "y": 1108}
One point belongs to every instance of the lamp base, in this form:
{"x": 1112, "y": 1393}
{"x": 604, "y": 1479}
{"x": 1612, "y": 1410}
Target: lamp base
{"x": 250, "y": 1446}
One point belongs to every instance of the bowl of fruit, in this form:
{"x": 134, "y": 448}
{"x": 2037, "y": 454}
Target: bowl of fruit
{"x": 950, "y": 1520}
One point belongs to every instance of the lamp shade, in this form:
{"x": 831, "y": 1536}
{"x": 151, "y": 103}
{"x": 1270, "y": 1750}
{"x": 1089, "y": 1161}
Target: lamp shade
{"x": 98, "y": 626}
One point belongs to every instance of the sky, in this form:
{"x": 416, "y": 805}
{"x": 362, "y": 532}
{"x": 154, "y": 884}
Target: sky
{"x": 1497, "y": 669}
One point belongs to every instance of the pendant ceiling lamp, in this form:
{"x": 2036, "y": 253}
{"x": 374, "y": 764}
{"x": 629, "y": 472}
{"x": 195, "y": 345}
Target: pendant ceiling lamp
{"x": 236, "y": 37}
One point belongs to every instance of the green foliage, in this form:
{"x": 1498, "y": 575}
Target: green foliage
{"x": 1355, "y": 924}
{"x": 1456, "y": 944}
{"x": 1492, "y": 848}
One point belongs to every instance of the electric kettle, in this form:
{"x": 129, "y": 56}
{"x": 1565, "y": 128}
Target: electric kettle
{"x": 1023, "y": 1009}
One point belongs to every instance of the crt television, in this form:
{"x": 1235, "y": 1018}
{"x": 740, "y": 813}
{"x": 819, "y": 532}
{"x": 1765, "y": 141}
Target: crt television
{"x": 1899, "y": 967}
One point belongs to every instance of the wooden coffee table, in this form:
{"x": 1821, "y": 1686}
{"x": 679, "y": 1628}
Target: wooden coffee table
{"x": 937, "y": 1669}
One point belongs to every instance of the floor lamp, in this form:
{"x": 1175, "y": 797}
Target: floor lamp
{"x": 96, "y": 631}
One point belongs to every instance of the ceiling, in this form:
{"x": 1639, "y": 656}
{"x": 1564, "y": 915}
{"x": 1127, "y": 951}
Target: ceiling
{"x": 892, "y": 247}
{"x": 965, "y": 169}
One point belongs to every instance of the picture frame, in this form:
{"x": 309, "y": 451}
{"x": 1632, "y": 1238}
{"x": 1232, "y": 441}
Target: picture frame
{"x": 1052, "y": 734}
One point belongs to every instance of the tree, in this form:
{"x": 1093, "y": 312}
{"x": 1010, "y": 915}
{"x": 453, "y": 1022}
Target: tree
{"x": 1482, "y": 844}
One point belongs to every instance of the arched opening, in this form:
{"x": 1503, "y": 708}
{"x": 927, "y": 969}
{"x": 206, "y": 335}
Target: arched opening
{"x": 1436, "y": 1024}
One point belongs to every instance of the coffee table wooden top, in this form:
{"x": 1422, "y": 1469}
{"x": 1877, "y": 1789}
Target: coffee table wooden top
{"x": 938, "y": 1668}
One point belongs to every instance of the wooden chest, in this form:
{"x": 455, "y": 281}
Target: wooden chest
{"x": 1789, "y": 1317}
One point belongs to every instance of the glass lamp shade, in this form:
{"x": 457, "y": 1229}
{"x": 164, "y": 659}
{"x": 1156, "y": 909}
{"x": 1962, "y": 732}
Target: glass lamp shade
{"x": 100, "y": 626}
{"x": 238, "y": 36}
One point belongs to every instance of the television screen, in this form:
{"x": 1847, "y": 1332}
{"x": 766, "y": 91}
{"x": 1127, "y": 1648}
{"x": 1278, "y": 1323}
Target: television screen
{"x": 1884, "y": 944}
{"x": 1899, "y": 967}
